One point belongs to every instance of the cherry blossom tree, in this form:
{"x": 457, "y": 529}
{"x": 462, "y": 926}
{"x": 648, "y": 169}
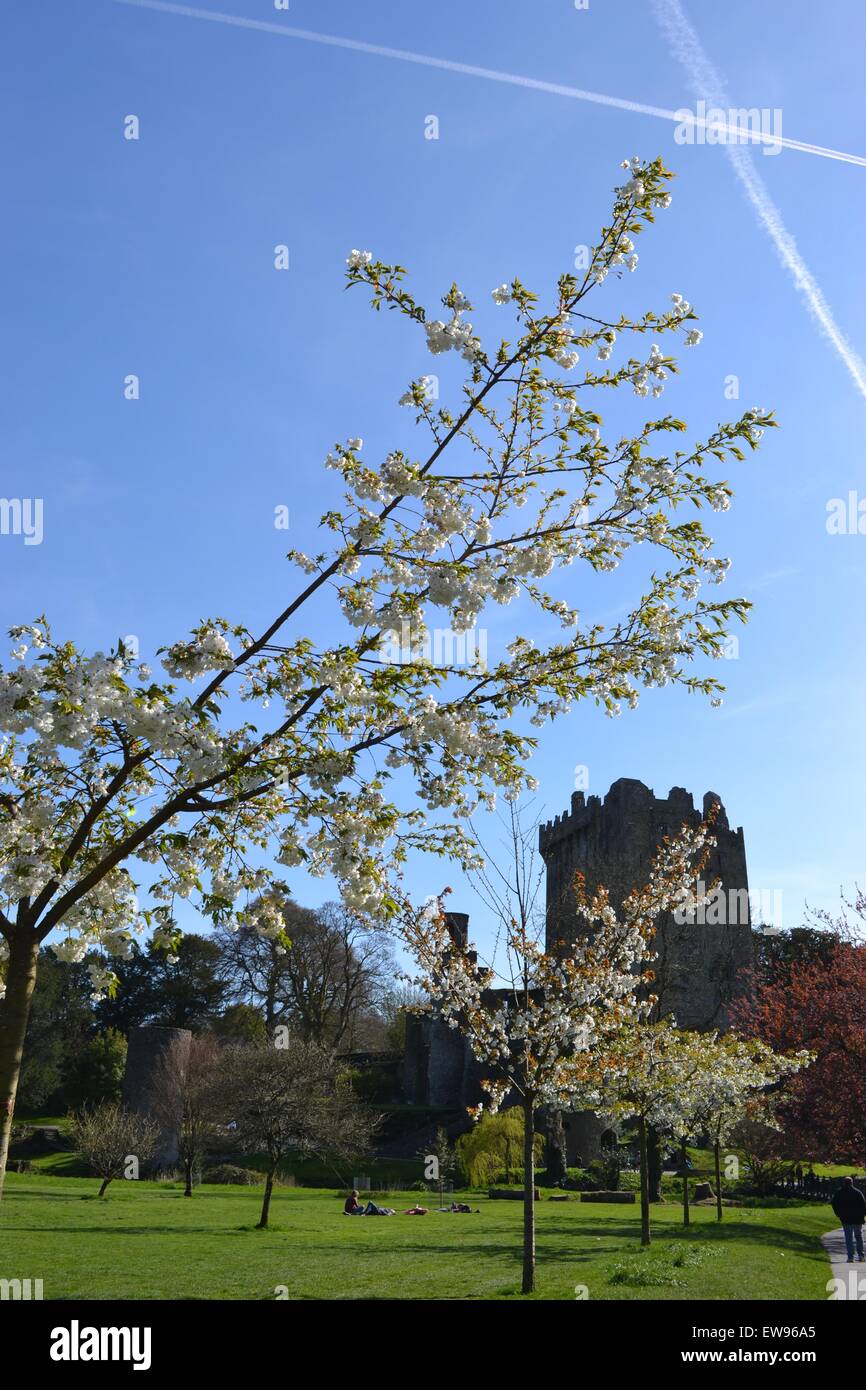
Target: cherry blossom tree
{"x": 742, "y": 1084}
{"x": 655, "y": 1076}
{"x": 682, "y": 1083}
{"x": 551, "y": 1035}
{"x": 348, "y": 760}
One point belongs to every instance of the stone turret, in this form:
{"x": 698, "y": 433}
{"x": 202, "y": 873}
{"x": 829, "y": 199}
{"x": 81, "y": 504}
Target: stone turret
{"x": 439, "y": 1068}
{"x": 146, "y": 1048}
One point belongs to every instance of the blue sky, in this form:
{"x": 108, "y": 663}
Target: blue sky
{"x": 155, "y": 257}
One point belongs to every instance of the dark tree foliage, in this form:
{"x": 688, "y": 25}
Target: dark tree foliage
{"x": 775, "y": 955}
{"x": 186, "y": 993}
{"x": 60, "y": 1025}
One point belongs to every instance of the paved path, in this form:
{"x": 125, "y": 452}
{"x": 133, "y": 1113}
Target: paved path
{"x": 834, "y": 1244}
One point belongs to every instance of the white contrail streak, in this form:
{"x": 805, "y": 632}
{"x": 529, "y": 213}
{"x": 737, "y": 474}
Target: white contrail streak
{"x": 488, "y": 74}
{"x": 706, "y": 83}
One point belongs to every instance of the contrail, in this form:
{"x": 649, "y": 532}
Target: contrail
{"x": 488, "y": 74}
{"x": 706, "y": 83}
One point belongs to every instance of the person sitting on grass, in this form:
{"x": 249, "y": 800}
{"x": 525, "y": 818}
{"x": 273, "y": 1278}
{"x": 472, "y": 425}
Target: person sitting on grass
{"x": 352, "y": 1207}
{"x": 849, "y": 1204}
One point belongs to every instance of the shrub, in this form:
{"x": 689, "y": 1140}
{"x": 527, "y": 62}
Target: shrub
{"x": 231, "y": 1173}
{"x": 109, "y": 1139}
{"x": 98, "y": 1073}
{"x": 644, "y": 1276}
{"x": 605, "y": 1171}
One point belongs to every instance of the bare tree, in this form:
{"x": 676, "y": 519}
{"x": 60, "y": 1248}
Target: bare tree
{"x": 327, "y": 987}
{"x": 112, "y": 1140}
{"x": 398, "y": 1001}
{"x": 186, "y": 1098}
{"x": 292, "y": 1100}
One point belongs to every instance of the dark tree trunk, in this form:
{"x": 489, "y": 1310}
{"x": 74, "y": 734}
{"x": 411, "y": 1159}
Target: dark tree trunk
{"x": 103, "y": 1189}
{"x": 14, "y": 1013}
{"x": 654, "y": 1164}
{"x": 266, "y": 1204}
{"x": 528, "y": 1285}
{"x": 188, "y": 1167}
{"x": 555, "y": 1158}
{"x": 686, "y": 1215}
{"x": 718, "y": 1152}
{"x": 644, "y": 1185}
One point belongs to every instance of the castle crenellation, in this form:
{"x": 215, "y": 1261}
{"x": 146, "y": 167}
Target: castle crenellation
{"x": 678, "y": 802}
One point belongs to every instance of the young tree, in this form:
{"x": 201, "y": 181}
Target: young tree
{"x": 113, "y": 1142}
{"x": 292, "y": 1100}
{"x": 682, "y": 1082}
{"x": 742, "y": 1089}
{"x": 102, "y": 766}
{"x": 548, "y": 1037}
{"x": 187, "y": 1099}
{"x": 656, "y": 1074}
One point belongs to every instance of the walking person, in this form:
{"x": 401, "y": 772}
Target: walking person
{"x": 849, "y": 1204}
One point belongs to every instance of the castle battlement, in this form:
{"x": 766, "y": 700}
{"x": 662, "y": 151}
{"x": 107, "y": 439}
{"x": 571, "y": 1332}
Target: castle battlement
{"x": 628, "y": 797}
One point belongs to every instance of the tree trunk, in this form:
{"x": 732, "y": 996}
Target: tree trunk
{"x": 188, "y": 1167}
{"x": 14, "y": 1012}
{"x": 555, "y": 1159}
{"x": 718, "y": 1151}
{"x": 644, "y": 1185}
{"x": 686, "y": 1216}
{"x": 528, "y": 1285}
{"x": 104, "y": 1187}
{"x": 266, "y": 1204}
{"x": 654, "y": 1164}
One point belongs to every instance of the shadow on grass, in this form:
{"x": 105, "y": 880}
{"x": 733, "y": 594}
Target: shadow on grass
{"x": 161, "y": 1231}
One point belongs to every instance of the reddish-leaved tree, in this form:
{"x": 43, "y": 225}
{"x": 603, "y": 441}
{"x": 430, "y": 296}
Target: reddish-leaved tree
{"x": 819, "y": 1004}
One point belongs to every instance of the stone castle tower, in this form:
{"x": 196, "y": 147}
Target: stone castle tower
{"x": 613, "y": 842}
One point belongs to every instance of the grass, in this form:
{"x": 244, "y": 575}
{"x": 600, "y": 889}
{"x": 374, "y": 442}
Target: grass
{"x": 56, "y": 1121}
{"x": 147, "y": 1241}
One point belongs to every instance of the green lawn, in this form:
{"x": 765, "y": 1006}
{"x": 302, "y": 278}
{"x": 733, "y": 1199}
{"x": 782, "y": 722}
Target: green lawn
{"x": 148, "y": 1241}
